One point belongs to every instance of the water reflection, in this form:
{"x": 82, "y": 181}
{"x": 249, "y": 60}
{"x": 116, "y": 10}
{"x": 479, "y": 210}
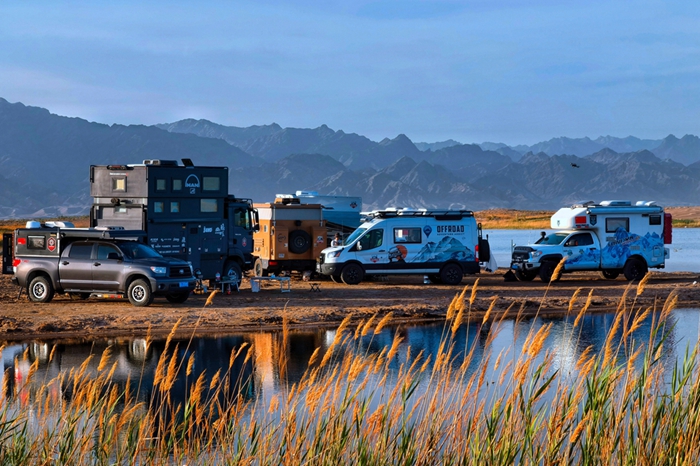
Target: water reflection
{"x": 269, "y": 363}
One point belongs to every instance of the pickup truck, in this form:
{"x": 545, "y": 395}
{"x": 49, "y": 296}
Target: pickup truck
{"x": 49, "y": 259}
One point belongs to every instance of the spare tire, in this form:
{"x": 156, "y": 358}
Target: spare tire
{"x": 299, "y": 241}
{"x": 484, "y": 250}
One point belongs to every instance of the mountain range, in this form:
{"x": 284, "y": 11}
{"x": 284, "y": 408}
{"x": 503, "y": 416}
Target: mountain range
{"x": 45, "y": 159}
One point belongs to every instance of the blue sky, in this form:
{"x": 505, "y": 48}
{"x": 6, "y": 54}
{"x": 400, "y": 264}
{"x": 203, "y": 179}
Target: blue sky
{"x": 474, "y": 71}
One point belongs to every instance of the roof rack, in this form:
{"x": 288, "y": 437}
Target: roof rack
{"x": 448, "y": 214}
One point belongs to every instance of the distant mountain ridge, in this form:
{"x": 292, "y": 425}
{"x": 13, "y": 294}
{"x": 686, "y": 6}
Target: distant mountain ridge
{"x": 45, "y": 159}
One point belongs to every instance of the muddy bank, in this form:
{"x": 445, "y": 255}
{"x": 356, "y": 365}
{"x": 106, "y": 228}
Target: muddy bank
{"x": 406, "y": 297}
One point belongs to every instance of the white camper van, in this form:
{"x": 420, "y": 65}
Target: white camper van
{"x": 613, "y": 237}
{"x": 444, "y": 245}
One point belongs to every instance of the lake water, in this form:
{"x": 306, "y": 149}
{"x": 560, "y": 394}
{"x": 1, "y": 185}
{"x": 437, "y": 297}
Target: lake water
{"x": 685, "y": 250}
{"x": 136, "y": 363}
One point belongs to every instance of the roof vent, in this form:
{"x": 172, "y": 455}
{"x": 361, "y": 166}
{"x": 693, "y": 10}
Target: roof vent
{"x": 60, "y": 224}
{"x": 33, "y": 224}
{"x": 616, "y": 203}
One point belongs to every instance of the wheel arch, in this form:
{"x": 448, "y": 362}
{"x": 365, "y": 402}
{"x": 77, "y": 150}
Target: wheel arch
{"x": 136, "y": 276}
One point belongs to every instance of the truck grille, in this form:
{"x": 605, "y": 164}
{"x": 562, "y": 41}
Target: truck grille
{"x": 521, "y": 254}
{"x": 180, "y": 272}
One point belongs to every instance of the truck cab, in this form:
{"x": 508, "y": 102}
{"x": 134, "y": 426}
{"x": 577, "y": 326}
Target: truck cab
{"x": 612, "y": 237}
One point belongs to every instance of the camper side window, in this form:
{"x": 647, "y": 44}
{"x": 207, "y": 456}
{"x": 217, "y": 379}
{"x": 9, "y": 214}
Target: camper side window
{"x": 655, "y": 220}
{"x": 119, "y": 184}
{"x": 407, "y": 235}
{"x": 36, "y": 242}
{"x": 613, "y": 224}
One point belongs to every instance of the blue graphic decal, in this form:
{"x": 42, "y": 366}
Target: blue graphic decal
{"x": 624, "y": 244}
{"x": 448, "y": 248}
{"x": 427, "y": 230}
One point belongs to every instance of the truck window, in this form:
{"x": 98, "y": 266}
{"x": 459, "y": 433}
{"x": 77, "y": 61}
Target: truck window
{"x": 583, "y": 239}
{"x": 210, "y": 183}
{"x": 175, "y": 207}
{"x": 103, "y": 251}
{"x": 177, "y": 184}
{"x": 158, "y": 206}
{"x": 407, "y": 235}
{"x": 241, "y": 218}
{"x": 612, "y": 224}
{"x": 208, "y": 205}
{"x": 554, "y": 238}
{"x": 119, "y": 184}
{"x": 160, "y": 184}
{"x": 80, "y": 251}
{"x": 372, "y": 240}
{"x": 36, "y": 242}
{"x": 134, "y": 250}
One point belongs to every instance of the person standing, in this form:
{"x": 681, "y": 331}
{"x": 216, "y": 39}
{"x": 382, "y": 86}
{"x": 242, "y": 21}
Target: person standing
{"x": 337, "y": 240}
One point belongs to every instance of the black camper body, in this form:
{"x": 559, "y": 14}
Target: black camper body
{"x": 185, "y": 210}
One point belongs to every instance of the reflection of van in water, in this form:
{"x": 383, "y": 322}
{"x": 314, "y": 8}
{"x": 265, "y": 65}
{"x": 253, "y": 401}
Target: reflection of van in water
{"x": 444, "y": 245}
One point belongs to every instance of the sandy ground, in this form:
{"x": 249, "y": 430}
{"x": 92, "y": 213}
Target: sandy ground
{"x": 406, "y": 297}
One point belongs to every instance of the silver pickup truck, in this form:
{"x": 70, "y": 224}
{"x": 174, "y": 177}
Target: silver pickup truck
{"x": 49, "y": 259}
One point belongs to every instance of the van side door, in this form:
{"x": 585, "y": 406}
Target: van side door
{"x": 75, "y": 266}
{"x": 583, "y": 252}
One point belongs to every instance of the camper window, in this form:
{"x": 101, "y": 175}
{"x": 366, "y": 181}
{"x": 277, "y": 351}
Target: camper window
{"x": 175, "y": 207}
{"x": 160, "y": 184}
{"x": 36, "y": 242}
{"x": 177, "y": 184}
{"x": 119, "y": 184}
{"x": 210, "y": 183}
{"x": 208, "y": 205}
{"x": 655, "y": 220}
{"x": 158, "y": 206}
{"x": 407, "y": 235}
{"x": 614, "y": 223}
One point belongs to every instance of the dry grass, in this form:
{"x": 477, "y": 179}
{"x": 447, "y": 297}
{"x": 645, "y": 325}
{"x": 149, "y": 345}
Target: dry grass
{"x": 388, "y": 407}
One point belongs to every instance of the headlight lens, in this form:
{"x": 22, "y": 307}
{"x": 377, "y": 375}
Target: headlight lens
{"x": 535, "y": 253}
{"x": 334, "y": 253}
{"x": 158, "y": 270}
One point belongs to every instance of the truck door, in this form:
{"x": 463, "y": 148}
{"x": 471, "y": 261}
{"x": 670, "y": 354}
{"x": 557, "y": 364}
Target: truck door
{"x": 371, "y": 250}
{"x": 582, "y": 251}
{"x": 107, "y": 269}
{"x": 75, "y": 266}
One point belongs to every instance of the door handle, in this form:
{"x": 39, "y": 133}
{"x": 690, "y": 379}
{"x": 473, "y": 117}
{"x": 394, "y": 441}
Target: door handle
{"x": 97, "y": 264}
{"x": 65, "y": 262}
{"x": 381, "y": 250}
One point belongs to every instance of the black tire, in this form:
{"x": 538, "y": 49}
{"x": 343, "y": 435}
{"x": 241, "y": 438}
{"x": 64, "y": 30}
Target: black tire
{"x": 258, "y": 269}
{"x": 40, "y": 289}
{"x": 299, "y": 242}
{"x": 352, "y": 274}
{"x": 139, "y": 293}
{"x": 525, "y": 276}
{"x": 451, "y": 274}
{"x": 635, "y": 269}
{"x": 484, "y": 250}
{"x": 547, "y": 270}
{"x": 232, "y": 269}
{"x": 336, "y": 278}
{"x": 435, "y": 279}
{"x": 177, "y": 298}
{"x": 610, "y": 274}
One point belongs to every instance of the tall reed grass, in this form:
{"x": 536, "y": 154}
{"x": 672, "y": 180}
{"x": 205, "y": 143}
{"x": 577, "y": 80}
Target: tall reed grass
{"x": 395, "y": 406}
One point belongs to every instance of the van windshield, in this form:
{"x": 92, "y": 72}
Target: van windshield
{"x": 355, "y": 234}
{"x": 554, "y": 238}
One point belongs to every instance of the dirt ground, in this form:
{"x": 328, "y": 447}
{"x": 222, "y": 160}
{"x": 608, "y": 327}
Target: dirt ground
{"x": 408, "y": 298}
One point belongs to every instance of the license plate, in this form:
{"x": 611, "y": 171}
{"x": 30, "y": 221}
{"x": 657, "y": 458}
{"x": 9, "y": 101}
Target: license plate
{"x": 183, "y": 284}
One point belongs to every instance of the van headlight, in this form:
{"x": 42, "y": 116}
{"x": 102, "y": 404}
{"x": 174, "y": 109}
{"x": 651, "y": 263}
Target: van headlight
{"x": 159, "y": 270}
{"x": 334, "y": 254}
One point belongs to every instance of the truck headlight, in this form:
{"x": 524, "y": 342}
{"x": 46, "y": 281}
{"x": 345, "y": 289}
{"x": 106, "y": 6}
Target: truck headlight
{"x": 535, "y": 253}
{"x": 159, "y": 270}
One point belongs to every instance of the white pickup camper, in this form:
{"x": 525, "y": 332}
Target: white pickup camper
{"x": 612, "y": 237}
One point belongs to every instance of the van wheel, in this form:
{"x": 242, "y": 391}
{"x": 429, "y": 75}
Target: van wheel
{"x": 233, "y": 270}
{"x": 177, "y": 298}
{"x": 299, "y": 241}
{"x": 40, "y": 290}
{"x": 451, "y": 274}
{"x": 139, "y": 293}
{"x": 547, "y": 270}
{"x": 610, "y": 274}
{"x": 525, "y": 276}
{"x": 435, "y": 279}
{"x": 336, "y": 278}
{"x": 352, "y": 274}
{"x": 635, "y": 269}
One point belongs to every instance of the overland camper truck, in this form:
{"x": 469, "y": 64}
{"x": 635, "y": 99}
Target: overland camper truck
{"x": 185, "y": 210}
{"x": 442, "y": 244}
{"x": 612, "y": 237}
{"x": 290, "y": 236}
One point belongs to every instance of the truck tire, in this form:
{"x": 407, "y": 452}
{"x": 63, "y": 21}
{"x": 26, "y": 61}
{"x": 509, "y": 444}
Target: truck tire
{"x": 547, "y": 270}
{"x": 609, "y": 274}
{"x": 40, "y": 289}
{"x": 177, "y": 298}
{"x": 299, "y": 241}
{"x": 451, "y": 274}
{"x": 233, "y": 270}
{"x": 635, "y": 269}
{"x": 352, "y": 274}
{"x": 484, "y": 250}
{"x": 258, "y": 269}
{"x": 139, "y": 293}
{"x": 525, "y": 276}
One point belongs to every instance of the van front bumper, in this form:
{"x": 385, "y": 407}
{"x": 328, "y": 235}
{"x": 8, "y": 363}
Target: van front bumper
{"x": 327, "y": 269}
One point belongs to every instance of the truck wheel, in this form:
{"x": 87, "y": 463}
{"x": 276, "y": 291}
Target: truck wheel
{"x": 40, "y": 289}
{"x": 435, "y": 279}
{"x": 635, "y": 269}
{"x": 139, "y": 293}
{"x": 177, "y": 297}
{"x": 451, "y": 274}
{"x": 258, "y": 269}
{"x": 299, "y": 241}
{"x": 547, "y": 270}
{"x": 233, "y": 270}
{"x": 610, "y": 274}
{"x": 525, "y": 276}
{"x": 352, "y": 274}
